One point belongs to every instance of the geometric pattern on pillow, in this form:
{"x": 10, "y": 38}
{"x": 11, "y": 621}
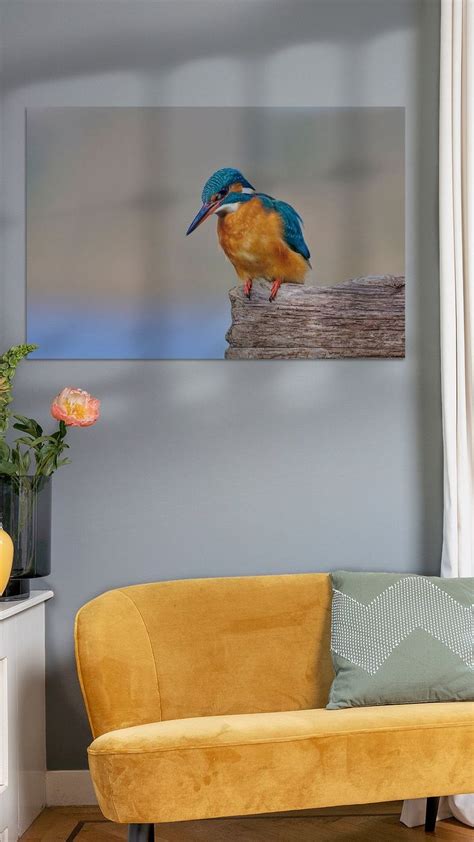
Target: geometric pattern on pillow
{"x": 367, "y": 634}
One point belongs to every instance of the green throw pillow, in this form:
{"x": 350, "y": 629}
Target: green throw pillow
{"x": 401, "y": 639}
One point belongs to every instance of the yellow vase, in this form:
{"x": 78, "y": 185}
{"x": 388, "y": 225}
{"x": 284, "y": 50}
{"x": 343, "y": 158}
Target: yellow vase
{"x": 6, "y": 558}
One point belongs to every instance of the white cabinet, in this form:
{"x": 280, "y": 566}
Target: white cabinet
{"x": 22, "y": 714}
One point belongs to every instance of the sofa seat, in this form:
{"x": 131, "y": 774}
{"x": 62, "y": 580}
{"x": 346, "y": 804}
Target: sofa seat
{"x": 211, "y": 766}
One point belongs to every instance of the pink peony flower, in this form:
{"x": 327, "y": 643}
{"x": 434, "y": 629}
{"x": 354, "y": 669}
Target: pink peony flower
{"x": 75, "y": 407}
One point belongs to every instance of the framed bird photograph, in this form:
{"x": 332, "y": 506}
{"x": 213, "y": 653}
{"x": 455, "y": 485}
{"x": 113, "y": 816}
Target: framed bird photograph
{"x": 216, "y": 233}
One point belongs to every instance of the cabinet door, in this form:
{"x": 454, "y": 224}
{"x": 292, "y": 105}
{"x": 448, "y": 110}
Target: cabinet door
{"x": 22, "y": 721}
{"x": 31, "y": 748}
{"x": 3, "y": 723}
{"x": 8, "y": 701}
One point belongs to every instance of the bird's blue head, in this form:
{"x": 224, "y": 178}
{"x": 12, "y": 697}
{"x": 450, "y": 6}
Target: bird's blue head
{"x": 215, "y": 190}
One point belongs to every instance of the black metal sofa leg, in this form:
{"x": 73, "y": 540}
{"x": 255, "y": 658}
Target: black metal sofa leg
{"x": 141, "y": 833}
{"x": 432, "y": 805}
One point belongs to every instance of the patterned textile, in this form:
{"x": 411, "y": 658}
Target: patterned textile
{"x": 401, "y": 639}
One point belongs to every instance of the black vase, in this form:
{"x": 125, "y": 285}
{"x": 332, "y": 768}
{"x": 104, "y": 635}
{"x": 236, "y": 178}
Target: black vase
{"x": 25, "y": 507}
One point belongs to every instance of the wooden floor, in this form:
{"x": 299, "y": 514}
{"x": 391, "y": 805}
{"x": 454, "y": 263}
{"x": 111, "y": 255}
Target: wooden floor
{"x": 370, "y": 823}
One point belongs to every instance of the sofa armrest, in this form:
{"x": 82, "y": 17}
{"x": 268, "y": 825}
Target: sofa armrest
{"x": 116, "y": 665}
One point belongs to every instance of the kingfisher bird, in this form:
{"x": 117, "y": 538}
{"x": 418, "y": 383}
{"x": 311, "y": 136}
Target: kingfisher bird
{"x": 261, "y": 236}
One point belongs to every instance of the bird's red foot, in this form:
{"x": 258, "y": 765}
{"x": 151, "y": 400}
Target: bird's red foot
{"x": 248, "y": 287}
{"x": 275, "y": 287}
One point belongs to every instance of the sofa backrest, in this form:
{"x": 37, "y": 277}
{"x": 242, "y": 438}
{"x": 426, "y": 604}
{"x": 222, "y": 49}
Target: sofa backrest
{"x": 202, "y": 647}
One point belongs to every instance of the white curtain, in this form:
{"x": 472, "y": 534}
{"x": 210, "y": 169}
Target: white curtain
{"x": 456, "y": 218}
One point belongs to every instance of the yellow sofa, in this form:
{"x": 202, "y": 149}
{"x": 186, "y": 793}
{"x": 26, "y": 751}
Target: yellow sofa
{"x": 207, "y": 698}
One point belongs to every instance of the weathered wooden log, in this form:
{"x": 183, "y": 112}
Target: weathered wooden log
{"x": 362, "y": 317}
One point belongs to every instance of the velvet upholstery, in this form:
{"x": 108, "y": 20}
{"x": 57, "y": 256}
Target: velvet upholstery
{"x": 206, "y": 698}
{"x": 202, "y": 647}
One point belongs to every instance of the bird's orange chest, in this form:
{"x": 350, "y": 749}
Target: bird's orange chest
{"x": 249, "y": 235}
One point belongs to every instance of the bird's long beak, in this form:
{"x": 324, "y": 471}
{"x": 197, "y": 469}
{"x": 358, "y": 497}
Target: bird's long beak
{"x": 207, "y": 209}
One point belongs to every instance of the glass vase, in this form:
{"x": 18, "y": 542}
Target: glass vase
{"x": 25, "y": 507}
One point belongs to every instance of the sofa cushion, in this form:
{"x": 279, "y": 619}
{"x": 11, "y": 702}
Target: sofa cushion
{"x": 241, "y": 764}
{"x": 399, "y": 639}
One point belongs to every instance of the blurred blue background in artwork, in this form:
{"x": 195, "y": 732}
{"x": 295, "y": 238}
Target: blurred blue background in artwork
{"x": 74, "y": 330}
{"x": 111, "y": 192}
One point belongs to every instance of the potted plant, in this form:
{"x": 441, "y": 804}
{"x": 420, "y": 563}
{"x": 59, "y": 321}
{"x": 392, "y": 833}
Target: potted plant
{"x": 27, "y": 464}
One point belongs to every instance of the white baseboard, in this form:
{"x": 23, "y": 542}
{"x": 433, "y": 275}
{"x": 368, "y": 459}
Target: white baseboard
{"x": 69, "y": 788}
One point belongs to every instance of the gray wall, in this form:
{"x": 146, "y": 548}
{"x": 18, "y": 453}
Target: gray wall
{"x": 213, "y": 468}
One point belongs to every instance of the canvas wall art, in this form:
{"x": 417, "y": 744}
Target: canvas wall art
{"x": 215, "y": 233}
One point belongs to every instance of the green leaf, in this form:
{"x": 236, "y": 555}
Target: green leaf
{"x": 48, "y": 468}
{"x": 31, "y": 442}
{"x": 45, "y": 465}
{"x": 22, "y": 427}
{"x": 7, "y": 468}
{"x": 23, "y": 419}
{"x": 28, "y": 425}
